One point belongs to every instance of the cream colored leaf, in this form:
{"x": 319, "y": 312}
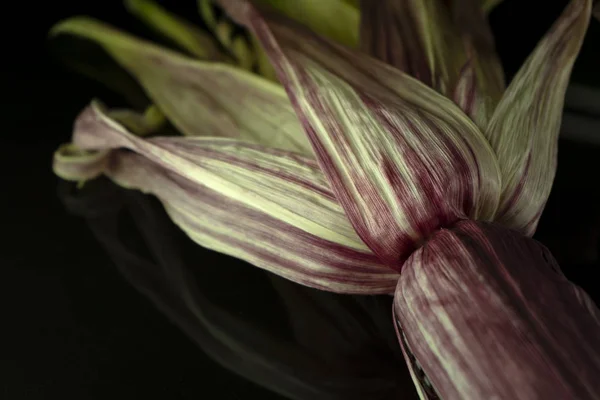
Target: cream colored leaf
{"x": 525, "y": 126}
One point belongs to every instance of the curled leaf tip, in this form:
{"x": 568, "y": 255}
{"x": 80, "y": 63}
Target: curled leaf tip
{"x": 74, "y": 164}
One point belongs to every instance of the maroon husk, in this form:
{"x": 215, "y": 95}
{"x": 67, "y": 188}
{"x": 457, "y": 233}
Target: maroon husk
{"x": 488, "y": 314}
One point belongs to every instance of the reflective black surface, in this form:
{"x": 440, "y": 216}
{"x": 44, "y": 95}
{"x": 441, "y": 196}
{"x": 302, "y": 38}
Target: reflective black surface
{"x": 295, "y": 341}
{"x": 102, "y": 297}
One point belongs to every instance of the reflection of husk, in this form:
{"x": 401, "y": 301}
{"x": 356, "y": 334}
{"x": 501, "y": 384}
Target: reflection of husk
{"x": 342, "y": 347}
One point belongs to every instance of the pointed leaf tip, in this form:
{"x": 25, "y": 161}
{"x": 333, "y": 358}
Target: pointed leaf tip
{"x": 201, "y": 98}
{"x": 525, "y": 126}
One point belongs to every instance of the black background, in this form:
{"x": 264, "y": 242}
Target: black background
{"x": 72, "y": 327}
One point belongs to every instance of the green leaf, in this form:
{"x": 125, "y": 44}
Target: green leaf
{"x": 334, "y": 19}
{"x": 186, "y": 35}
{"x": 201, "y": 98}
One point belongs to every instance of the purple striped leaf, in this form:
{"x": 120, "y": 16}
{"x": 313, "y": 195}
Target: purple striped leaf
{"x": 402, "y": 159}
{"x": 465, "y": 93}
{"x": 390, "y": 32}
{"x": 525, "y": 126}
{"x": 486, "y": 75}
{"x": 434, "y": 43}
{"x": 201, "y": 98}
{"x": 271, "y": 208}
{"x": 485, "y": 313}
